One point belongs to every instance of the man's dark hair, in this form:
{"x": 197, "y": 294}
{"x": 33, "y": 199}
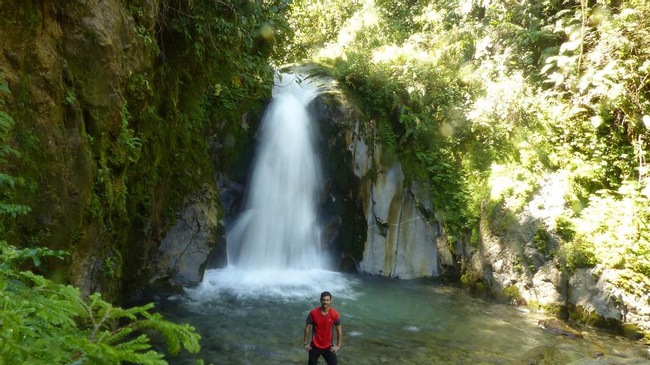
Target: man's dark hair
{"x": 325, "y": 294}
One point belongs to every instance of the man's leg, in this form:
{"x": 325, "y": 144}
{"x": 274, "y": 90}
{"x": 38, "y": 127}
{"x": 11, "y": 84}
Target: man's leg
{"x": 314, "y": 354}
{"x": 330, "y": 357}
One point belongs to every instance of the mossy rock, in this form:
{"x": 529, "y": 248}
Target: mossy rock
{"x": 557, "y": 310}
{"x": 579, "y": 314}
{"x": 512, "y": 295}
{"x": 632, "y": 331}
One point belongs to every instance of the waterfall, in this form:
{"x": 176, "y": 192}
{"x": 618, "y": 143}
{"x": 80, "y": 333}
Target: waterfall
{"x": 274, "y": 249}
{"x": 278, "y": 228}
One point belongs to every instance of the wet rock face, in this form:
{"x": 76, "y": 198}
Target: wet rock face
{"x": 401, "y": 242}
{"x": 386, "y": 226}
{"x": 67, "y": 64}
{"x": 340, "y": 210}
{"x": 190, "y": 244}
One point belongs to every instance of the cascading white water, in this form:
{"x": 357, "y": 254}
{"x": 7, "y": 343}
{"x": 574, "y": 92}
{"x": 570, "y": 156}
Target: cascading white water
{"x": 278, "y": 228}
{"x": 274, "y": 245}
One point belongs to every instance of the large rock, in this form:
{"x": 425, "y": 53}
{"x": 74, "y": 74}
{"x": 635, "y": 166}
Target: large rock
{"x": 599, "y": 299}
{"x": 383, "y": 209}
{"x": 550, "y": 285}
{"x": 186, "y": 249}
{"x": 401, "y": 242}
{"x": 591, "y": 292}
{"x": 68, "y": 66}
{"x": 387, "y": 226}
{"x": 519, "y": 248}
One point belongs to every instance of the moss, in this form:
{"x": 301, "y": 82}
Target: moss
{"x": 579, "y": 314}
{"x": 557, "y": 310}
{"x": 512, "y": 295}
{"x": 466, "y": 279}
{"x": 632, "y": 331}
{"x": 481, "y": 288}
{"x": 475, "y": 284}
{"x": 474, "y": 238}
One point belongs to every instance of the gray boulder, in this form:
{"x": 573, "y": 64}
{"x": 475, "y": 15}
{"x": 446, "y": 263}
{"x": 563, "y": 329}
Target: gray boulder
{"x": 186, "y": 249}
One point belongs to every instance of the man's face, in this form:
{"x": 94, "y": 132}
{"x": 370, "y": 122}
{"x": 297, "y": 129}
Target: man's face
{"x": 325, "y": 302}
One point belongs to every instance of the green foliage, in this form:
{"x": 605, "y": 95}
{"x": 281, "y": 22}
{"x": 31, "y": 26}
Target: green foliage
{"x": 483, "y": 101}
{"x": 565, "y": 228}
{"x": 627, "y": 246}
{"x": 576, "y": 251}
{"x": 474, "y": 238}
{"x": 70, "y": 98}
{"x": 452, "y": 196}
{"x": 579, "y": 254}
{"x": 209, "y": 64}
{"x": 127, "y": 139}
{"x": 7, "y": 182}
{"x": 45, "y": 322}
{"x": 313, "y": 23}
{"x": 414, "y": 105}
{"x": 541, "y": 239}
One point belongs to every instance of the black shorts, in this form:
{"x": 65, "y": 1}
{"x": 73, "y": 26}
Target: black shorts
{"x": 327, "y": 354}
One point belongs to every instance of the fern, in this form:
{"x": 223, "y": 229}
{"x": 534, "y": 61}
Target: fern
{"x": 177, "y": 336}
{"x": 46, "y": 322}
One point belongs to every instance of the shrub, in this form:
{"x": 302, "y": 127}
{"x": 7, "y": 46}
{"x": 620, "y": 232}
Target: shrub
{"x": 46, "y": 322}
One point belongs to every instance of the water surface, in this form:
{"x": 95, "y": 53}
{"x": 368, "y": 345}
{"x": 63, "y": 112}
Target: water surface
{"x": 251, "y": 318}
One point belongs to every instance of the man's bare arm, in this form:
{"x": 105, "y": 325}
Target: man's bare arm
{"x": 308, "y": 337}
{"x": 339, "y": 338}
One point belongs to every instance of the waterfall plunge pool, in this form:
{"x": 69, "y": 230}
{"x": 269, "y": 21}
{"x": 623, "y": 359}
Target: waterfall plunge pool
{"x": 254, "y": 311}
{"x": 258, "y": 317}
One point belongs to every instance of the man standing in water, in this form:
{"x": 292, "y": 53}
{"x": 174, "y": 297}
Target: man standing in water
{"x": 318, "y": 332}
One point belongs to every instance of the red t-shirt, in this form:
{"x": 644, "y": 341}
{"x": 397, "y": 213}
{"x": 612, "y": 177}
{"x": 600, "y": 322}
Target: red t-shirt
{"x": 322, "y": 326}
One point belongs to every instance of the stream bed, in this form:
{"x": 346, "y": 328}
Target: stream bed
{"x": 259, "y": 318}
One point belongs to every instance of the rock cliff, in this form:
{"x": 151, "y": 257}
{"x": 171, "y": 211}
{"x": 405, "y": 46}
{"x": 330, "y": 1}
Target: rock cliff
{"x": 387, "y": 230}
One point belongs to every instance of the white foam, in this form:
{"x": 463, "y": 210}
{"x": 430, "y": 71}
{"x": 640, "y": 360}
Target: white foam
{"x": 271, "y": 284}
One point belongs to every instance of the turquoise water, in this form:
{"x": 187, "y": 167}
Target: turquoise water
{"x": 250, "y": 320}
